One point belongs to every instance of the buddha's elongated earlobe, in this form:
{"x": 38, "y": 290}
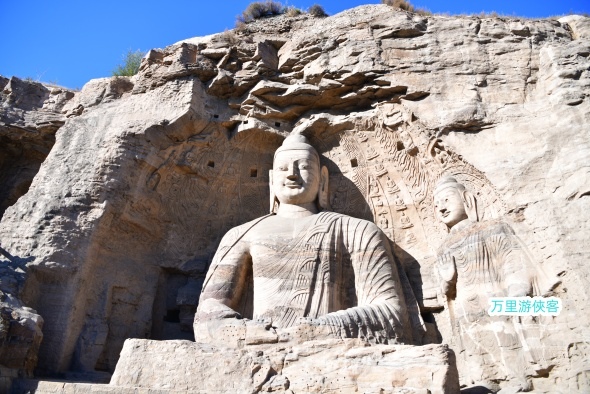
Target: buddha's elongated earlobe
{"x": 324, "y": 193}
{"x": 274, "y": 206}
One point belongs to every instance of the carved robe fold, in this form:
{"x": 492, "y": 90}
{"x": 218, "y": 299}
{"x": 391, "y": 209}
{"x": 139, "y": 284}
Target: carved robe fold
{"x": 338, "y": 270}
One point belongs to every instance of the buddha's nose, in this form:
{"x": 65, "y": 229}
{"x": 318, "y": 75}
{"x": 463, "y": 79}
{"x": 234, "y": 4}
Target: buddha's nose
{"x": 292, "y": 172}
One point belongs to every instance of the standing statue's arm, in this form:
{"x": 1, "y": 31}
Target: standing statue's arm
{"x": 514, "y": 260}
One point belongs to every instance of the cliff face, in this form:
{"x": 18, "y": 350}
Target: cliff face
{"x": 117, "y": 229}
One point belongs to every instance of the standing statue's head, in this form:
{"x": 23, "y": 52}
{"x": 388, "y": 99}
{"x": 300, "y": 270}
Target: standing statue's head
{"x": 297, "y": 177}
{"x": 453, "y": 203}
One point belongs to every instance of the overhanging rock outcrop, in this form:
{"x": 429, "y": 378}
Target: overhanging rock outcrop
{"x": 122, "y": 219}
{"x": 30, "y": 114}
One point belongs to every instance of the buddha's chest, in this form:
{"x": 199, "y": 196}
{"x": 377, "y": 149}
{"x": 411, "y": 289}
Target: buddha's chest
{"x": 278, "y": 236}
{"x": 275, "y": 250}
{"x": 280, "y": 251}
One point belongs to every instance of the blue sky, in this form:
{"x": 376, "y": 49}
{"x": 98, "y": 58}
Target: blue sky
{"x": 70, "y": 42}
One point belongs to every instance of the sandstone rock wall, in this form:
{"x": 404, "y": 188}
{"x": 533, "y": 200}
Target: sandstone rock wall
{"x": 147, "y": 173}
{"x": 30, "y": 114}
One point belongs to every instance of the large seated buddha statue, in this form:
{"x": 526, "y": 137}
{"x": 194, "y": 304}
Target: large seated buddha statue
{"x": 303, "y": 268}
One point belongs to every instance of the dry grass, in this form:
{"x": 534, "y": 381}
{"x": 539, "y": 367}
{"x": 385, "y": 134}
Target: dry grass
{"x": 293, "y": 11}
{"x": 260, "y": 9}
{"x": 317, "y": 11}
{"x": 405, "y": 5}
{"x": 230, "y": 37}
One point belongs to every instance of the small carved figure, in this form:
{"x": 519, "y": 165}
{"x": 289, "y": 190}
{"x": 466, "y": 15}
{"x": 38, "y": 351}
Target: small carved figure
{"x": 479, "y": 260}
{"x": 230, "y": 170}
{"x": 380, "y": 170}
{"x": 383, "y": 222}
{"x": 405, "y": 221}
{"x": 304, "y": 265}
{"x": 373, "y": 186}
{"x": 378, "y": 203}
{"x": 442, "y": 156}
{"x": 371, "y": 153}
{"x": 408, "y": 143}
{"x": 399, "y": 203}
{"x": 439, "y": 153}
{"x": 391, "y": 186}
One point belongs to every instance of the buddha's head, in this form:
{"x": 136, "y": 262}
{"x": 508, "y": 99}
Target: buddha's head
{"x": 453, "y": 203}
{"x": 297, "y": 177}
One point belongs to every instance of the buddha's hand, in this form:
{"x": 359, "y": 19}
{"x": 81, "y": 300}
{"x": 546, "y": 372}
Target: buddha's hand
{"x": 212, "y": 309}
{"x": 265, "y": 322}
{"x": 447, "y": 273}
{"x": 259, "y": 331}
{"x": 218, "y": 324}
{"x": 519, "y": 289}
{"x": 310, "y": 321}
{"x": 308, "y": 329}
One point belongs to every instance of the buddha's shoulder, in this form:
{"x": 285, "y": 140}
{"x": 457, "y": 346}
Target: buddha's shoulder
{"x": 240, "y": 231}
{"x": 273, "y": 224}
{"x": 492, "y": 227}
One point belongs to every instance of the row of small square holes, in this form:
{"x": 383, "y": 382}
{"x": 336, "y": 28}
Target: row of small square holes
{"x": 253, "y": 171}
{"x": 277, "y": 124}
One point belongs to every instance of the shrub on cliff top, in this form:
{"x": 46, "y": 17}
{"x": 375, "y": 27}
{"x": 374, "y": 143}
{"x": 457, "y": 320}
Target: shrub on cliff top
{"x": 317, "y": 11}
{"x": 293, "y": 11}
{"x": 131, "y": 63}
{"x": 406, "y": 6}
{"x": 260, "y": 9}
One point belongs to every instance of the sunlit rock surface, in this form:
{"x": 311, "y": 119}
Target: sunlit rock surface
{"x": 118, "y": 227}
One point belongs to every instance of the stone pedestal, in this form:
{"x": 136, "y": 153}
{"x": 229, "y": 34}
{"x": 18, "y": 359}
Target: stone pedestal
{"x": 315, "y": 366}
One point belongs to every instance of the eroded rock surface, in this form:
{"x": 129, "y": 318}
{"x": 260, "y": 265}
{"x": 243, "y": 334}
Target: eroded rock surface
{"x": 147, "y": 173}
{"x": 30, "y": 115}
